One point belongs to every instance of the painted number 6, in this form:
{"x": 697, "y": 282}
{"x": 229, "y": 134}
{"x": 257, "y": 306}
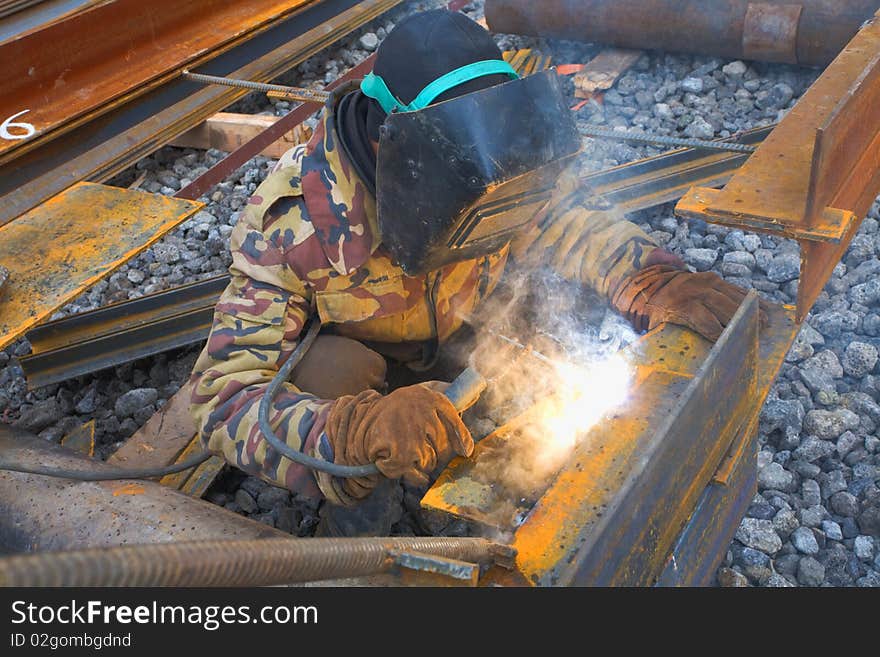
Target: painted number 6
{"x": 29, "y": 130}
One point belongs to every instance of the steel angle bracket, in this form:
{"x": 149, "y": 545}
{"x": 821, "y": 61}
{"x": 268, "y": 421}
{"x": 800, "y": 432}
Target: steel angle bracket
{"x": 817, "y": 174}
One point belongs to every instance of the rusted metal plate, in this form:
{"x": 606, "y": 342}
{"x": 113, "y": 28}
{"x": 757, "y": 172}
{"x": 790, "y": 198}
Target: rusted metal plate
{"x": 705, "y": 540}
{"x": 770, "y": 32}
{"x": 50, "y": 513}
{"x": 81, "y": 439}
{"x": 702, "y": 545}
{"x": 62, "y": 73}
{"x": 57, "y": 250}
{"x": 603, "y": 71}
{"x": 816, "y": 175}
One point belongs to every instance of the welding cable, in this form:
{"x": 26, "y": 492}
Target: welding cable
{"x": 295, "y": 455}
{"x": 106, "y": 474}
{"x": 676, "y": 142}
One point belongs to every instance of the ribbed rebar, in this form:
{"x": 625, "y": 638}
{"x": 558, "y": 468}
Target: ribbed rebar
{"x": 661, "y": 140}
{"x": 232, "y": 563}
{"x": 293, "y": 93}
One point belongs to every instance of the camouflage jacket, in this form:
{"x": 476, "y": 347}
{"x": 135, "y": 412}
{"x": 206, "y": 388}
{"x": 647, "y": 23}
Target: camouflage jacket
{"x": 307, "y": 244}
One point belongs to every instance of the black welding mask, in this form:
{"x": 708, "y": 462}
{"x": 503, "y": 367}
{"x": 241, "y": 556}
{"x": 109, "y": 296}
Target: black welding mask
{"x": 458, "y": 179}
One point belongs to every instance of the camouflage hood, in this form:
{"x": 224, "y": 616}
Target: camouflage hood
{"x": 338, "y": 203}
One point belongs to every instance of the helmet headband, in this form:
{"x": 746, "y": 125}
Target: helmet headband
{"x": 375, "y": 87}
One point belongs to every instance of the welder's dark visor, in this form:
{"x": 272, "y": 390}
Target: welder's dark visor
{"x": 458, "y": 179}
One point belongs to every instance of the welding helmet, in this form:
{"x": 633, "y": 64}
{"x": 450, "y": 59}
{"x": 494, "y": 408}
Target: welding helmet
{"x": 468, "y": 160}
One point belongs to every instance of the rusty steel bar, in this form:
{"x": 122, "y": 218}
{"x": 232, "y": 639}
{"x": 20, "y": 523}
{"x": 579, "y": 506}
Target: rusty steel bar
{"x": 252, "y": 148}
{"x": 263, "y": 562}
{"x": 809, "y": 32}
{"x": 299, "y": 94}
{"x": 61, "y": 75}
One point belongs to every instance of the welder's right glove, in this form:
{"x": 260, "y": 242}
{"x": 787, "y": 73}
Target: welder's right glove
{"x": 407, "y": 434}
{"x": 702, "y": 301}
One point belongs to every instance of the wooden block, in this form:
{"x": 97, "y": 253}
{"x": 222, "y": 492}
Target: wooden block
{"x": 163, "y": 438}
{"x": 603, "y": 71}
{"x": 227, "y": 132}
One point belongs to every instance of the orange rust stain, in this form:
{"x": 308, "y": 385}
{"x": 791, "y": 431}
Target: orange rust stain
{"x": 129, "y": 489}
{"x": 577, "y": 497}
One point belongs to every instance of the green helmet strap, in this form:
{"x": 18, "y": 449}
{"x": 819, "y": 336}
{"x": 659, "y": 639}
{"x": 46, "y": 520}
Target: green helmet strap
{"x": 375, "y": 87}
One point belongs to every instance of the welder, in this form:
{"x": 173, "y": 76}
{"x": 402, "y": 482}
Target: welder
{"x": 389, "y": 227}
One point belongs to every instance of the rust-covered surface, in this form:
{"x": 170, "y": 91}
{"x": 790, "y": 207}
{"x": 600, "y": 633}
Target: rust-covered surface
{"x": 809, "y": 32}
{"x": 39, "y": 513}
{"x": 61, "y": 72}
{"x": 58, "y": 249}
{"x": 614, "y": 514}
{"x": 815, "y": 176}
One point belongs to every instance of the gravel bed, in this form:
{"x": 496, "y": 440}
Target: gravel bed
{"x": 816, "y": 518}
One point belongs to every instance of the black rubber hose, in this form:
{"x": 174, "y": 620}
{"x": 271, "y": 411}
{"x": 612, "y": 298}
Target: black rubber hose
{"x": 107, "y": 475}
{"x": 283, "y": 448}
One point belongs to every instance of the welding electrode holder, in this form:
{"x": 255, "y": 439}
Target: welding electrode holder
{"x": 462, "y": 392}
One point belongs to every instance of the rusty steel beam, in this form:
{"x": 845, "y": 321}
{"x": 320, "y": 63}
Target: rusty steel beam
{"x": 815, "y": 177}
{"x": 75, "y": 239}
{"x": 666, "y": 476}
{"x": 121, "y": 332}
{"x": 809, "y": 32}
{"x": 110, "y": 143}
{"x": 60, "y": 75}
{"x": 39, "y": 14}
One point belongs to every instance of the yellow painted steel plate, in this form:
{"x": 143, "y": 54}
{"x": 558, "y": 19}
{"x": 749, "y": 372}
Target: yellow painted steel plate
{"x": 63, "y": 246}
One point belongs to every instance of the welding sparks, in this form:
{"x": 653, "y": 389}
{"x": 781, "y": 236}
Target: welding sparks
{"x": 585, "y": 394}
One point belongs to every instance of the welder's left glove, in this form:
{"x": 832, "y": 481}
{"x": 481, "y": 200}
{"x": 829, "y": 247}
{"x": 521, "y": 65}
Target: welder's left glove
{"x": 702, "y": 301}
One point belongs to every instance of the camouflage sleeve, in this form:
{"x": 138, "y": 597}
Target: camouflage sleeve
{"x": 257, "y": 323}
{"x": 598, "y": 248}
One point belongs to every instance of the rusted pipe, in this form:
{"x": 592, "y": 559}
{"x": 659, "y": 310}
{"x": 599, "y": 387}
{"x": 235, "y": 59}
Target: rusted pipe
{"x": 809, "y": 32}
{"x": 46, "y": 513}
{"x": 234, "y": 563}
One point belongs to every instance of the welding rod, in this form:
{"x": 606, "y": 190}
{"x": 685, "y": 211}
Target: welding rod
{"x": 275, "y": 90}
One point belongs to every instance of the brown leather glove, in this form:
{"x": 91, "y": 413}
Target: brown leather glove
{"x": 407, "y": 434}
{"x": 702, "y": 301}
